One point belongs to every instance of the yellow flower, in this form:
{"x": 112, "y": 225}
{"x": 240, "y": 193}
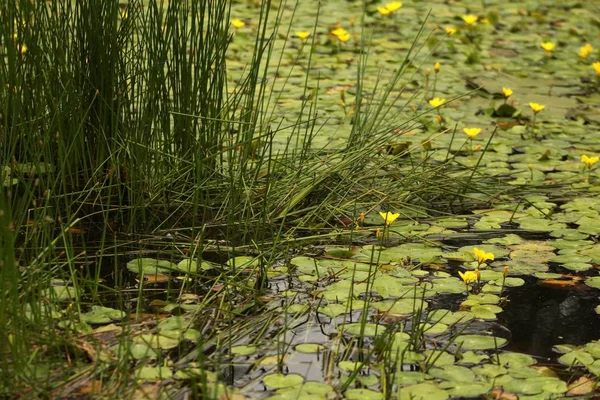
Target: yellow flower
{"x": 505, "y": 271}
{"x": 450, "y": 31}
{"x": 393, "y": 6}
{"x": 536, "y": 107}
{"x": 596, "y": 67}
{"x": 22, "y": 49}
{"x": 470, "y": 19}
{"x": 585, "y": 50}
{"x": 469, "y": 276}
{"x": 303, "y": 34}
{"x": 472, "y": 132}
{"x": 436, "y": 102}
{"x": 237, "y": 23}
{"x": 383, "y": 10}
{"x": 389, "y": 217}
{"x": 548, "y": 46}
{"x": 507, "y": 92}
{"x": 436, "y": 67}
{"x": 589, "y": 161}
{"x": 482, "y": 256}
{"x": 341, "y": 34}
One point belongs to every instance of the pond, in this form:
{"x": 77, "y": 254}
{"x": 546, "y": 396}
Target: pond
{"x": 440, "y": 241}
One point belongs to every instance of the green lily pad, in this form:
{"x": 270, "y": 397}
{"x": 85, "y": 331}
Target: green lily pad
{"x": 102, "y": 315}
{"x": 153, "y": 373}
{"x": 400, "y": 306}
{"x": 576, "y": 358}
{"x": 363, "y": 394}
{"x": 191, "y": 266}
{"x": 243, "y": 350}
{"x": 357, "y": 329}
{"x": 150, "y": 266}
{"x": 423, "y": 391}
{"x": 513, "y": 360}
{"x": 479, "y": 342}
{"x": 472, "y": 358}
{"x": 593, "y": 282}
{"x": 309, "y": 348}
{"x": 453, "y": 373}
{"x": 466, "y": 389}
{"x": 278, "y": 381}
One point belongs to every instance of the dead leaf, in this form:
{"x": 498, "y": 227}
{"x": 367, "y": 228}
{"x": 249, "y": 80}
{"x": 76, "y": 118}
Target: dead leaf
{"x": 499, "y": 394}
{"x": 582, "y": 386}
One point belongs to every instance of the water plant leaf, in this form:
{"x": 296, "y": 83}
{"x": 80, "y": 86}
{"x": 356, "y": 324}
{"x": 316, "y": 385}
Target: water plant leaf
{"x": 438, "y": 358}
{"x": 357, "y": 329}
{"x": 242, "y": 262}
{"x": 278, "y": 381}
{"x": 448, "y": 317}
{"x": 479, "y": 342}
{"x": 243, "y": 350}
{"x": 350, "y": 366}
{"x": 191, "y": 266}
{"x": 594, "y": 282}
{"x": 471, "y": 358}
{"x": 60, "y": 293}
{"x": 454, "y": 373}
{"x": 514, "y": 360}
{"x": 400, "y": 306}
{"x": 141, "y": 351}
{"x": 309, "y": 348}
{"x": 102, "y": 315}
{"x": 153, "y": 373}
{"x": 576, "y": 358}
{"x": 490, "y": 370}
{"x": 483, "y": 313}
{"x": 150, "y": 266}
{"x": 423, "y": 391}
{"x": 405, "y": 378}
{"x": 424, "y": 253}
{"x": 466, "y": 389}
{"x": 157, "y": 341}
{"x": 363, "y": 394}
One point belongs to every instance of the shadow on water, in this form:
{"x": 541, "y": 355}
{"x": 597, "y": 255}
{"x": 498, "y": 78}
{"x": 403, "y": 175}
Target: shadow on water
{"x": 541, "y": 317}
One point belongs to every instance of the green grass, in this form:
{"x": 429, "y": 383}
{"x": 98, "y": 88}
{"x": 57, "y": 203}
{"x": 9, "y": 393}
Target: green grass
{"x": 121, "y": 136}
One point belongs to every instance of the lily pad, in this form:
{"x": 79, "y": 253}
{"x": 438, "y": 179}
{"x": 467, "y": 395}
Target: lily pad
{"x": 479, "y": 342}
{"x": 278, "y": 381}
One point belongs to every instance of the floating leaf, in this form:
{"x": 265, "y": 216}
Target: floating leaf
{"x": 479, "y": 342}
{"x": 278, "y": 381}
{"x": 423, "y": 391}
{"x": 150, "y": 266}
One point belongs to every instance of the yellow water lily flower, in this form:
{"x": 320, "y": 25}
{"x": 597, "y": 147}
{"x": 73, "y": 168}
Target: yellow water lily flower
{"x": 548, "y": 46}
{"x": 450, "y": 31}
{"x": 342, "y": 34}
{"x": 394, "y": 5}
{"x": 22, "y": 49}
{"x": 436, "y": 102}
{"x": 383, "y": 10}
{"x": 536, "y": 107}
{"x": 237, "y": 23}
{"x": 482, "y": 256}
{"x": 596, "y": 67}
{"x": 507, "y": 92}
{"x": 389, "y": 217}
{"x": 470, "y": 19}
{"x": 472, "y": 132}
{"x": 303, "y": 34}
{"x": 469, "y": 276}
{"x": 589, "y": 161}
{"x": 505, "y": 270}
{"x": 436, "y": 67}
{"x": 585, "y": 50}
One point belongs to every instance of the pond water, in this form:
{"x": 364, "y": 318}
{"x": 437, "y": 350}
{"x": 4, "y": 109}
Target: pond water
{"x": 485, "y": 283}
